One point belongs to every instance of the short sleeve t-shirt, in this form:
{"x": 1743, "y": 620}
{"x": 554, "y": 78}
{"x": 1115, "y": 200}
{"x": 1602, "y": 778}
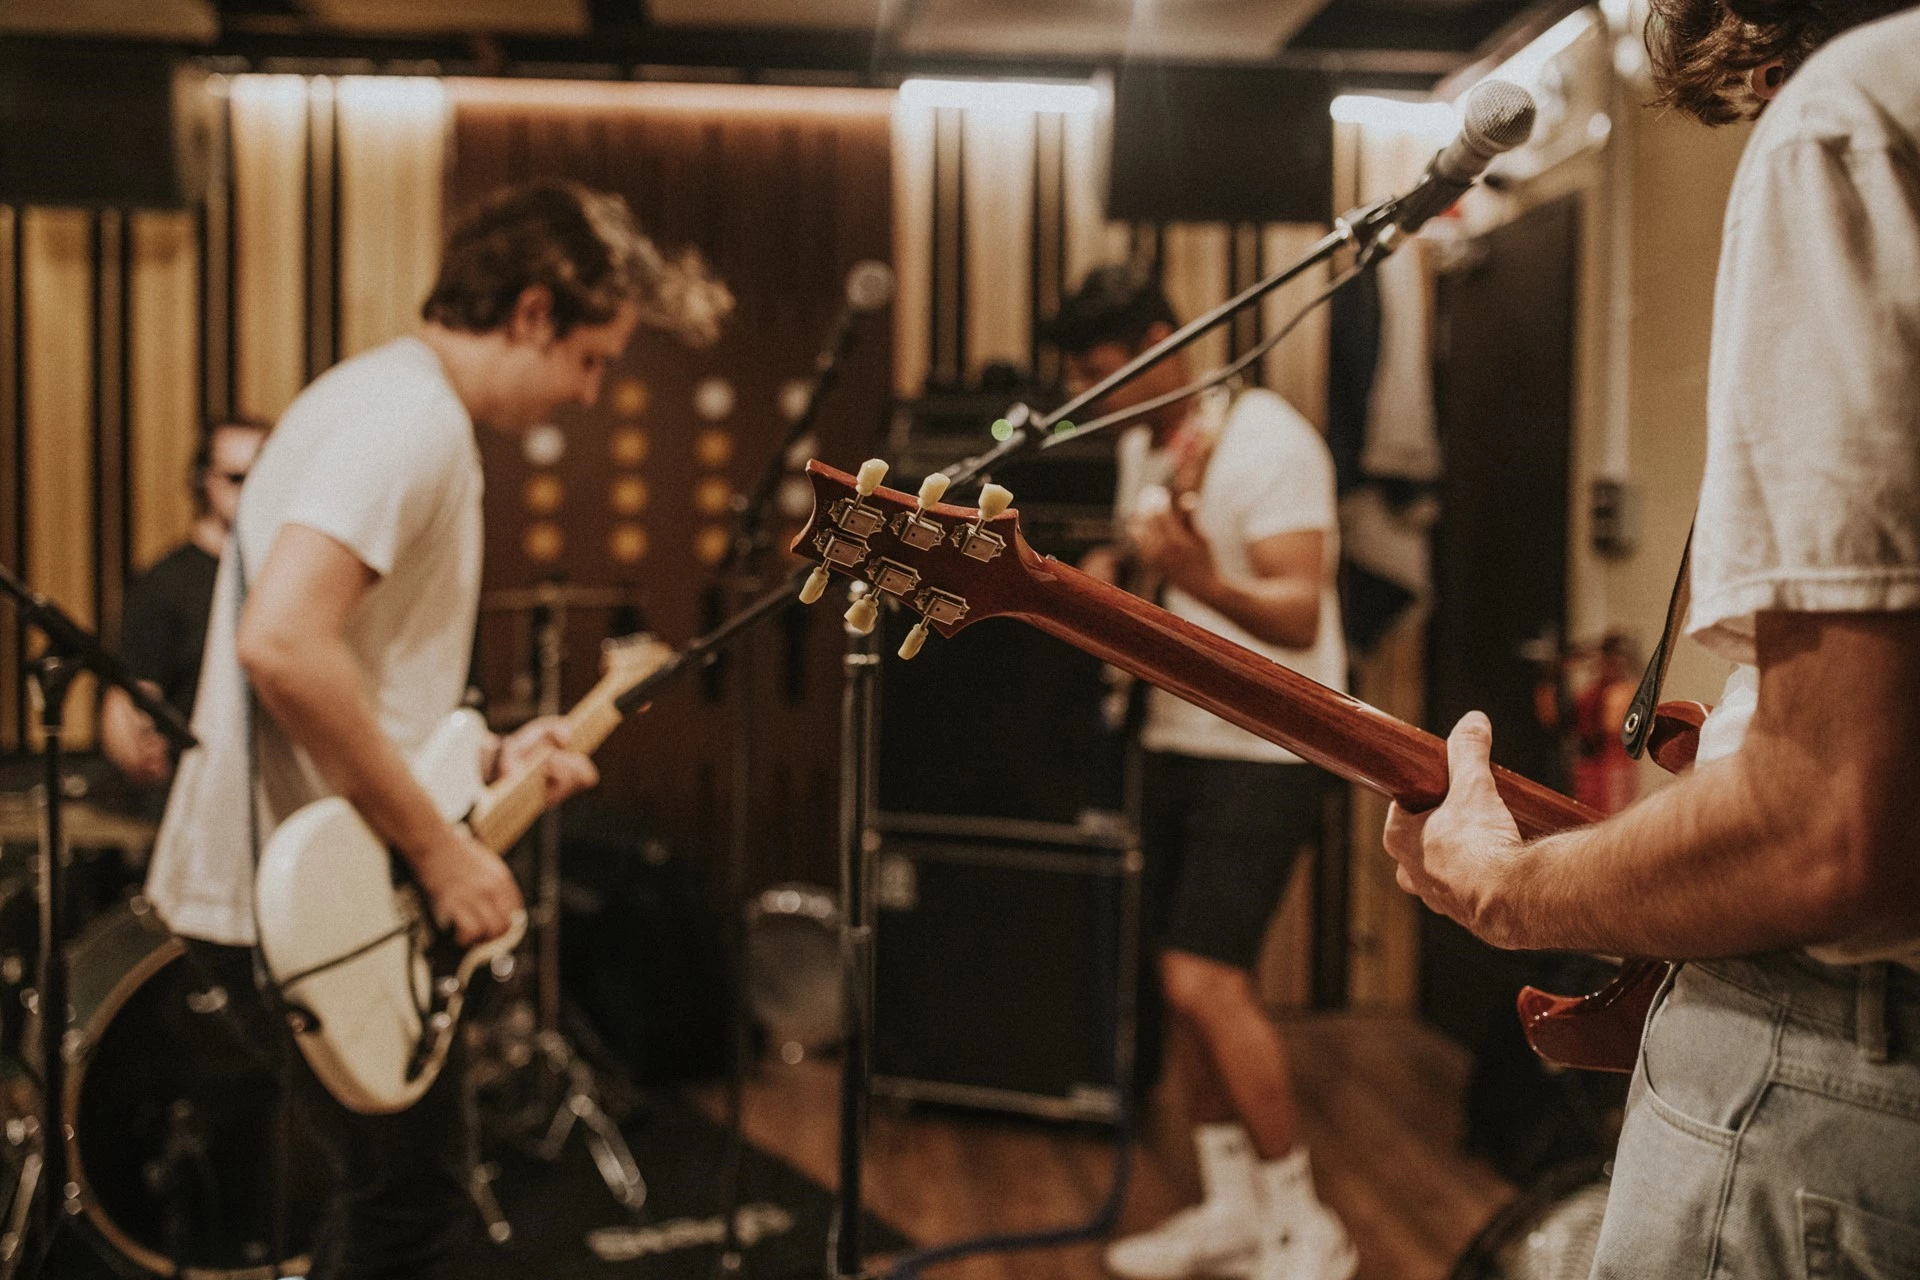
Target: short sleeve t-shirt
{"x": 379, "y": 455}
{"x": 1811, "y": 496}
{"x": 164, "y": 626}
{"x": 1270, "y": 473}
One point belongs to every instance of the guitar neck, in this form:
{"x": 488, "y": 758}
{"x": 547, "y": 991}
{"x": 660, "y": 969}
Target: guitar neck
{"x": 1341, "y": 734}
{"x": 513, "y": 803}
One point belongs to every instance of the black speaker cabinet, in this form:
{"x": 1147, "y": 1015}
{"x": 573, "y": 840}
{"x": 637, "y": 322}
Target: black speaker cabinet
{"x": 1003, "y": 965}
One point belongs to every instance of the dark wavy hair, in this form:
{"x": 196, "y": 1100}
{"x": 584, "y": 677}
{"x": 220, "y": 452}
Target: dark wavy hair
{"x": 583, "y": 247}
{"x": 1113, "y": 304}
{"x": 1704, "y": 50}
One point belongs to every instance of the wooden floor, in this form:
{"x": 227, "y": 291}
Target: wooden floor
{"x": 1380, "y": 1110}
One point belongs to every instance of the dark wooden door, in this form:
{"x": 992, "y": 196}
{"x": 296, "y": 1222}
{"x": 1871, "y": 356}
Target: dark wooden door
{"x": 1504, "y": 385}
{"x": 1504, "y": 390}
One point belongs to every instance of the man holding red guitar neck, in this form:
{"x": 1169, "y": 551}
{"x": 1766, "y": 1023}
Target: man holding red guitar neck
{"x": 347, "y": 601}
{"x": 1774, "y": 1123}
{"x": 1230, "y": 504}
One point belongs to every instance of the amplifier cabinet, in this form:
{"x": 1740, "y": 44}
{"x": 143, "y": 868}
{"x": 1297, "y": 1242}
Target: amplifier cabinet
{"x": 1004, "y": 964}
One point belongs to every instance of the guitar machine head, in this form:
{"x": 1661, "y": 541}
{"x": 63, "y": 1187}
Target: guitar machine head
{"x": 951, "y": 565}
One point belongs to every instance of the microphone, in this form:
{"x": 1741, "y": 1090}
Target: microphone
{"x": 869, "y": 288}
{"x": 1498, "y": 117}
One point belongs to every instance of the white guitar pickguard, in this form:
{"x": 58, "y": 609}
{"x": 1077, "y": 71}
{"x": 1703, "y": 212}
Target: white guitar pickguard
{"x": 324, "y": 891}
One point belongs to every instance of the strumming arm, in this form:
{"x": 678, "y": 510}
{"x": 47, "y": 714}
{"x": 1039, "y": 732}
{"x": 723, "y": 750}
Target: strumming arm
{"x": 292, "y": 642}
{"x": 1806, "y": 835}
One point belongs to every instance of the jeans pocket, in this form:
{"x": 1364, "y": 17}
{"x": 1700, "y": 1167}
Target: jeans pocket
{"x": 1707, "y": 1055}
{"x": 1842, "y": 1242}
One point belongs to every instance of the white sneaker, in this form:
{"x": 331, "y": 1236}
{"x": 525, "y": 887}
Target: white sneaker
{"x": 1300, "y": 1237}
{"x": 1201, "y": 1241}
{"x": 1220, "y": 1236}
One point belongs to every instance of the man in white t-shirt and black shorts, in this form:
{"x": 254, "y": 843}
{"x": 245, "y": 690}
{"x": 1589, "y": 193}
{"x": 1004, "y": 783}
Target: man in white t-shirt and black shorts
{"x": 345, "y": 605}
{"x": 1773, "y": 1127}
{"x": 1227, "y": 505}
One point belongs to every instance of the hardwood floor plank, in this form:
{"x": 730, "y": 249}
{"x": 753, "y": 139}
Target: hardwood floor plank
{"x": 1380, "y": 1111}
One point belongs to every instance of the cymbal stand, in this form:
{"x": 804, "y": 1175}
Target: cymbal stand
{"x": 49, "y": 1195}
{"x": 581, "y": 1102}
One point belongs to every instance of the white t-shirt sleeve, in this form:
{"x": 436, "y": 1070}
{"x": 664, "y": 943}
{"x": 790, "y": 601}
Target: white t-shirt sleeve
{"x": 1282, "y": 475}
{"x": 381, "y": 484}
{"x": 1811, "y": 495}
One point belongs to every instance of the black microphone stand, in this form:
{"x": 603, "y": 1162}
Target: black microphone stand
{"x": 741, "y": 573}
{"x": 71, "y": 649}
{"x": 1371, "y": 231}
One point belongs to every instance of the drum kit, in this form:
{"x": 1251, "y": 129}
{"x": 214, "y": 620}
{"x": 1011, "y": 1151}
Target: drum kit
{"x": 178, "y": 1153}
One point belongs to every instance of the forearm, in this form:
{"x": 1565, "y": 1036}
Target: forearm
{"x": 1740, "y": 856}
{"x": 316, "y": 695}
{"x": 1280, "y": 611}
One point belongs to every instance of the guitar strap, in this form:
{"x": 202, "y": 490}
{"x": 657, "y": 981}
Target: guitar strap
{"x": 262, "y": 974}
{"x": 1638, "y": 726}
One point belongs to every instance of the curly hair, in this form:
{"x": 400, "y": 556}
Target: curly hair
{"x": 584, "y": 248}
{"x": 1704, "y": 50}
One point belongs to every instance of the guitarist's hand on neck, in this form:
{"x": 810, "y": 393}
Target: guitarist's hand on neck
{"x": 544, "y": 743}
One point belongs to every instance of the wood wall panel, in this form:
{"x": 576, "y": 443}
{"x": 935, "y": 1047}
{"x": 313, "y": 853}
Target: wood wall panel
{"x": 392, "y": 146}
{"x": 782, "y": 191}
{"x": 12, "y": 475}
{"x": 58, "y": 284}
{"x": 1193, "y": 271}
{"x": 163, "y": 426}
{"x": 1092, "y": 240}
{"x": 913, "y": 137}
{"x": 999, "y": 156}
{"x": 270, "y": 234}
{"x": 1297, "y": 367}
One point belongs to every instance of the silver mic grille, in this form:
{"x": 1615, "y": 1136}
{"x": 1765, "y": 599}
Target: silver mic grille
{"x": 870, "y": 284}
{"x": 1498, "y": 117}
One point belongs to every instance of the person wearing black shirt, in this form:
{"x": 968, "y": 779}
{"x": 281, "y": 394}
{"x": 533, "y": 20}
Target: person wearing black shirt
{"x": 164, "y": 625}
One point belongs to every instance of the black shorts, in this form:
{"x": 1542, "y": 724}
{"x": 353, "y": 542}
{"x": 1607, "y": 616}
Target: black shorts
{"x": 1220, "y": 838}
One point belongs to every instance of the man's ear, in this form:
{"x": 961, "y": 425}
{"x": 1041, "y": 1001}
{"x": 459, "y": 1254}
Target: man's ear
{"x": 532, "y": 318}
{"x": 1767, "y": 79}
{"x": 1158, "y": 331}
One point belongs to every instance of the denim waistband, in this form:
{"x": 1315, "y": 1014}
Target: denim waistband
{"x": 1877, "y": 1006}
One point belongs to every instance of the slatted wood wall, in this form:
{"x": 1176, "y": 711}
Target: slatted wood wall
{"x": 319, "y": 233}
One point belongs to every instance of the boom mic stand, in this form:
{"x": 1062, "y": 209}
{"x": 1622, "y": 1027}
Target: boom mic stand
{"x": 71, "y": 649}
{"x": 1494, "y": 124}
{"x": 869, "y": 287}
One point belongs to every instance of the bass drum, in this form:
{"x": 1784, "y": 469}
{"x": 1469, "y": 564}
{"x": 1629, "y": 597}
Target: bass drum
{"x": 173, "y": 1104}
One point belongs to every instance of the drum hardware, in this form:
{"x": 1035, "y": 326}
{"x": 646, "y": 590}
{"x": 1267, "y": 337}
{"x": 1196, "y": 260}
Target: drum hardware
{"x": 526, "y": 1037}
{"x": 70, "y": 650}
{"x": 793, "y": 970}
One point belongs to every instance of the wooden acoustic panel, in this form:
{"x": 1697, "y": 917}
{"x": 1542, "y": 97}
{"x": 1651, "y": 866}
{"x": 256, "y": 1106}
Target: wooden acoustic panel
{"x": 782, "y": 191}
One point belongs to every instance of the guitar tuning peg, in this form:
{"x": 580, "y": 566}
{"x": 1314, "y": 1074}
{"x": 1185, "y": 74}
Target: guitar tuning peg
{"x": 872, "y": 472}
{"x": 916, "y": 639}
{"x": 862, "y": 616}
{"x": 933, "y": 488}
{"x": 816, "y": 585}
{"x": 994, "y": 499}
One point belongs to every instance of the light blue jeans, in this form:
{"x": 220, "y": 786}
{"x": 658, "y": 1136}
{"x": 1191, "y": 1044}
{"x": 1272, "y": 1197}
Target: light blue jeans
{"x": 1773, "y": 1127}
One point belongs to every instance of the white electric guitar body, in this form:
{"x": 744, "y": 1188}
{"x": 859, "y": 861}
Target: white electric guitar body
{"x": 373, "y": 988}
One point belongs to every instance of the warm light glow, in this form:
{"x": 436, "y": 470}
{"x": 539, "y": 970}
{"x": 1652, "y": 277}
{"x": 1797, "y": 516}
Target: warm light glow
{"x": 1001, "y": 95}
{"x": 1524, "y": 67}
{"x": 1402, "y": 115}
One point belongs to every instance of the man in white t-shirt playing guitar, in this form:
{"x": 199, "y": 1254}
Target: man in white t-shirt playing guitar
{"x": 1773, "y": 1127}
{"x": 346, "y": 604}
{"x": 1229, "y": 502}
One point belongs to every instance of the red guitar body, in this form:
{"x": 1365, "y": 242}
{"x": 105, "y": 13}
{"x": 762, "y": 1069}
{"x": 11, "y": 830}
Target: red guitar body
{"x": 946, "y": 564}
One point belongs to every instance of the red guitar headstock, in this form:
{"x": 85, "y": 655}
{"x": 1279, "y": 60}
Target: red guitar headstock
{"x": 950, "y": 565}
